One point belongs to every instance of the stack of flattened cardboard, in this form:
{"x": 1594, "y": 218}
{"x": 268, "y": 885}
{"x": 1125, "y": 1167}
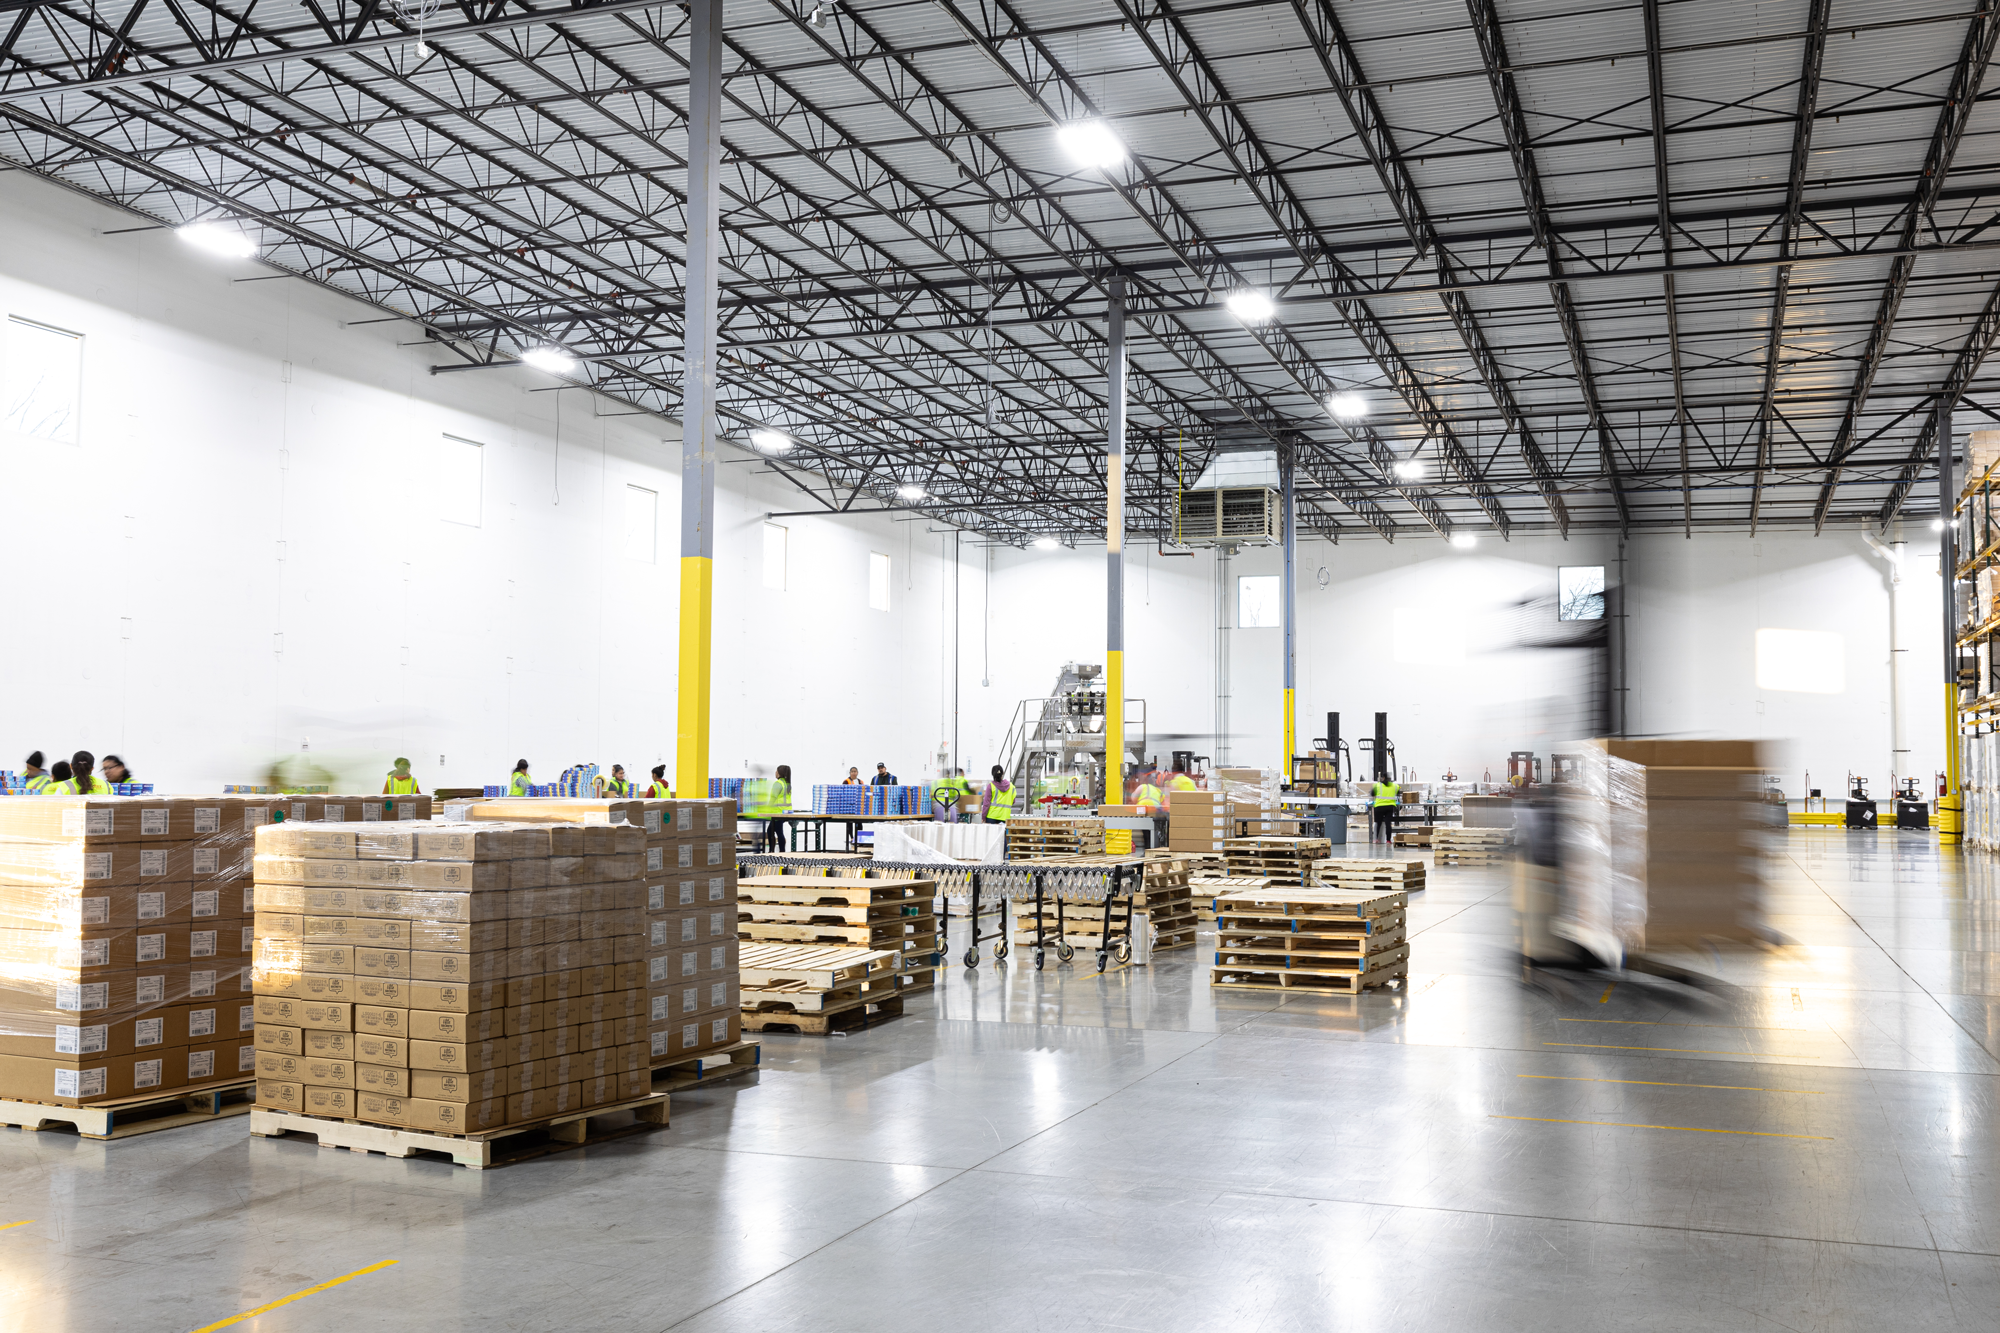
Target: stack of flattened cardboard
{"x": 448, "y": 977}
{"x": 689, "y": 875}
{"x": 1200, "y": 821}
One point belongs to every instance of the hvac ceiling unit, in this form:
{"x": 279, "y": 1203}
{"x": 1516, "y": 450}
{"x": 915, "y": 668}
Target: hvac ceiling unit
{"x": 1228, "y": 516}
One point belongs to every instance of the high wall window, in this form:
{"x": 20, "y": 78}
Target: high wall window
{"x": 1580, "y": 592}
{"x": 1257, "y": 602}
{"x": 461, "y": 467}
{"x": 878, "y": 581}
{"x": 41, "y": 381}
{"x": 774, "y": 556}
{"x": 642, "y": 521}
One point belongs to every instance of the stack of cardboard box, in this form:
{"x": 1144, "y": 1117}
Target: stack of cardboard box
{"x": 689, "y": 877}
{"x": 449, "y": 977}
{"x": 1200, "y": 821}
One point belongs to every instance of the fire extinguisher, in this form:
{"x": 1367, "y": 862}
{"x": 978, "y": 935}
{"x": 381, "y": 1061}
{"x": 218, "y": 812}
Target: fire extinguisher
{"x": 1940, "y": 787}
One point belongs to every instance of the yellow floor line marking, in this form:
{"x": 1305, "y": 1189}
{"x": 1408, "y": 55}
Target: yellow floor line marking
{"x": 1615, "y": 1124}
{"x": 1656, "y": 1023}
{"x": 1683, "y": 1050}
{"x": 1606, "y": 997}
{"x": 295, "y": 1296}
{"x": 9, "y": 1226}
{"x": 1657, "y": 1083}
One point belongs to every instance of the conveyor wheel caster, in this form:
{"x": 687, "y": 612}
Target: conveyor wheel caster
{"x": 972, "y": 958}
{"x": 1064, "y": 953}
{"x": 999, "y": 951}
{"x": 1041, "y": 957}
{"x": 1123, "y": 953}
{"x": 1102, "y": 958}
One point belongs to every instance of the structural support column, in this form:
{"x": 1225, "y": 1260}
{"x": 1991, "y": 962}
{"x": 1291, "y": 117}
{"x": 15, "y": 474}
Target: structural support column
{"x": 1114, "y": 540}
{"x": 1287, "y": 611}
{"x": 698, "y": 423}
{"x": 1951, "y": 806}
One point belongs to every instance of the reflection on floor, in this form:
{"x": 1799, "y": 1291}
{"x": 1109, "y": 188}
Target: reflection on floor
{"x": 1814, "y": 1148}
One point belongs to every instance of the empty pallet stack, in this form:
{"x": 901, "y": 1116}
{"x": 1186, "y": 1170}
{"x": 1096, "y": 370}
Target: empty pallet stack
{"x": 1471, "y": 846}
{"x": 452, "y": 979}
{"x": 122, "y": 948}
{"x": 1312, "y": 940}
{"x": 822, "y": 915}
{"x": 1356, "y": 872}
{"x": 818, "y": 989}
{"x": 1280, "y": 859}
{"x": 1168, "y": 902}
{"x": 1032, "y": 839}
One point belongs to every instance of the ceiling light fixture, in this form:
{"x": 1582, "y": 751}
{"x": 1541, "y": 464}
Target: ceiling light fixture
{"x": 1410, "y": 467}
{"x": 1090, "y": 143}
{"x": 772, "y": 441}
{"x": 552, "y": 359}
{"x": 1937, "y": 525}
{"x": 1046, "y": 543}
{"x": 1347, "y": 406}
{"x": 820, "y": 14}
{"x": 1251, "y": 306}
{"x": 218, "y": 240}
{"x": 1464, "y": 541}
{"x": 912, "y": 491}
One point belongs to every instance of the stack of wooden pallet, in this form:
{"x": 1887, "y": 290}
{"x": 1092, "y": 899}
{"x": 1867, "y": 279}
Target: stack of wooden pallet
{"x": 818, "y": 989}
{"x": 1206, "y": 888}
{"x": 1278, "y": 858}
{"x": 1168, "y": 902}
{"x": 853, "y": 909}
{"x": 1420, "y": 836}
{"x": 1351, "y": 872}
{"x": 1313, "y": 940}
{"x": 1030, "y": 839}
{"x": 1471, "y": 846}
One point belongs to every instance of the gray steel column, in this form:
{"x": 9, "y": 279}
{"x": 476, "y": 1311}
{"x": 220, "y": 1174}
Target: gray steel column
{"x": 1288, "y": 611}
{"x": 698, "y": 424}
{"x": 1114, "y": 539}
{"x": 1951, "y": 806}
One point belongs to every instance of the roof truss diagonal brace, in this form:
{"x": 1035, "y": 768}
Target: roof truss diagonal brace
{"x": 1967, "y": 78}
{"x": 1656, "y": 99}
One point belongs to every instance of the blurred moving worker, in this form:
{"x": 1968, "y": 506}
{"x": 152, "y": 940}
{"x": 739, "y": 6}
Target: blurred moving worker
{"x": 996, "y": 806}
{"x": 114, "y": 770}
{"x": 658, "y": 790}
{"x": 883, "y": 777}
{"x": 1148, "y": 797}
{"x": 770, "y": 799}
{"x": 616, "y": 785}
{"x": 853, "y": 779}
{"x": 1386, "y": 795}
{"x": 945, "y": 799}
{"x": 81, "y": 782}
{"x": 400, "y": 781}
{"x": 1180, "y": 781}
{"x": 58, "y": 774}
{"x": 520, "y": 783}
{"x": 35, "y": 781}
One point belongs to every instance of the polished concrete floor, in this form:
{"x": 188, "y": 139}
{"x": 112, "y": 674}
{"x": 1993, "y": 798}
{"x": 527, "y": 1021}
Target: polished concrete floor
{"x": 1814, "y": 1148}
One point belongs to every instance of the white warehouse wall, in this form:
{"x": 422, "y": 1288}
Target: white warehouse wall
{"x": 242, "y": 555}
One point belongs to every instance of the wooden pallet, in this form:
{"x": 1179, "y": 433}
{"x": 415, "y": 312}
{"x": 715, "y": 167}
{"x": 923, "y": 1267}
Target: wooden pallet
{"x": 897, "y": 935}
{"x": 794, "y": 997}
{"x": 851, "y": 914}
{"x": 1165, "y": 941}
{"x": 124, "y": 1117}
{"x": 1230, "y": 957}
{"x": 823, "y": 1025}
{"x": 821, "y": 966}
{"x": 685, "y": 1071}
{"x": 499, "y": 1147}
{"x": 1305, "y": 983}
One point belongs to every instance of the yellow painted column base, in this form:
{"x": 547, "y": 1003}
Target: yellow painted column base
{"x": 697, "y": 624}
{"x": 1114, "y": 726}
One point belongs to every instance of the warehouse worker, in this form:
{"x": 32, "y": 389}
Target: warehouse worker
{"x": 617, "y": 785}
{"x": 1385, "y": 797}
{"x": 114, "y": 770}
{"x": 81, "y": 782}
{"x": 770, "y": 799}
{"x": 520, "y": 782}
{"x": 997, "y": 806}
{"x": 1148, "y": 796}
{"x": 400, "y": 781}
{"x": 883, "y": 777}
{"x": 946, "y": 796}
{"x": 1180, "y": 781}
{"x": 34, "y": 781}
{"x": 853, "y": 779}
{"x": 659, "y": 790}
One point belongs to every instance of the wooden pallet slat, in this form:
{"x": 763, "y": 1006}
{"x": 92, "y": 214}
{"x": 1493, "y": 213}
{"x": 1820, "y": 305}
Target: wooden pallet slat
{"x": 125, "y": 1117}
{"x": 478, "y": 1151}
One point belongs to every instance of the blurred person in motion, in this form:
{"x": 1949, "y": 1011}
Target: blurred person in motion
{"x": 400, "y": 782}
{"x": 658, "y": 790}
{"x": 81, "y": 781}
{"x": 1384, "y": 799}
{"x": 34, "y": 780}
{"x": 518, "y": 785}
{"x": 770, "y": 799}
{"x": 114, "y": 770}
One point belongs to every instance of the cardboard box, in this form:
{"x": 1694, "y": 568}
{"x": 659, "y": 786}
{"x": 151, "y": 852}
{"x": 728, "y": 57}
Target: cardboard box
{"x": 449, "y": 1026}
{"x": 280, "y": 1095}
{"x": 386, "y": 1080}
{"x": 302, "y": 1013}
{"x": 374, "y": 1048}
{"x": 337, "y": 1102}
{"x": 329, "y": 1073}
{"x": 382, "y": 1021}
{"x": 449, "y": 1086}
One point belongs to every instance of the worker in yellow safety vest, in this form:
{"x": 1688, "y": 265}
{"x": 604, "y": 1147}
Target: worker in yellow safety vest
{"x": 519, "y": 784}
{"x": 770, "y": 799}
{"x": 400, "y": 781}
{"x": 80, "y": 781}
{"x": 35, "y": 781}
{"x": 945, "y": 797}
{"x": 616, "y": 785}
{"x": 1180, "y": 781}
{"x": 659, "y": 790}
{"x": 1385, "y": 797}
{"x": 1148, "y": 796}
{"x": 998, "y": 805}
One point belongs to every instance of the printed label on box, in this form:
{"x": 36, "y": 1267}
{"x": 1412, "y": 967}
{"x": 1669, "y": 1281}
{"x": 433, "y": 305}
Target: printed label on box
{"x": 691, "y": 1000}
{"x": 406, "y": 809}
{"x": 246, "y": 1018}
{"x": 718, "y": 956}
{"x": 687, "y": 893}
{"x": 370, "y": 812}
{"x": 246, "y": 1059}
{"x": 95, "y": 911}
{"x": 146, "y": 1074}
{"x": 715, "y": 889}
{"x": 82, "y": 1041}
{"x": 153, "y": 989}
{"x": 255, "y": 817}
{"x": 249, "y": 899}
{"x": 656, "y": 858}
{"x": 652, "y": 821}
{"x": 661, "y": 1044}
{"x": 656, "y": 971}
{"x": 687, "y": 930}
{"x": 201, "y": 944}
{"x": 149, "y": 1032}
{"x": 715, "y": 920}
{"x": 208, "y": 819}
{"x": 81, "y": 998}
{"x": 690, "y": 962}
{"x": 207, "y": 902}
{"x": 720, "y": 1029}
{"x": 659, "y": 936}
{"x": 718, "y": 994}
{"x": 201, "y": 1022}
{"x": 80, "y": 1082}
{"x": 663, "y": 1009}
{"x": 336, "y": 814}
{"x": 201, "y": 1064}
{"x": 97, "y": 865}
{"x": 201, "y": 985}
{"x": 715, "y": 816}
{"x": 691, "y": 1035}
{"x": 152, "y": 948}
{"x": 152, "y": 860}
{"x": 206, "y": 860}
{"x": 656, "y": 897}
{"x": 153, "y": 823}
{"x": 152, "y": 906}
{"x": 95, "y": 953}
{"x": 687, "y": 856}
